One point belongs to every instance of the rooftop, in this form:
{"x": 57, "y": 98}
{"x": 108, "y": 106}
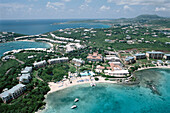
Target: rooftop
{"x": 12, "y": 90}
{"x": 155, "y": 52}
{"x": 139, "y": 54}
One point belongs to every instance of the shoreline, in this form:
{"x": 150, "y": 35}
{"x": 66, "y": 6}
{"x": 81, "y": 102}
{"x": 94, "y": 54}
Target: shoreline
{"x": 66, "y": 84}
{"x": 32, "y": 40}
{"x": 50, "y": 44}
{"x": 54, "y": 87}
{"x": 161, "y": 67}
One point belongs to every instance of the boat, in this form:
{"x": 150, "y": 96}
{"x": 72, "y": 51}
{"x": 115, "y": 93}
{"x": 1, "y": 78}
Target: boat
{"x": 76, "y": 100}
{"x": 92, "y": 84}
{"x": 74, "y": 106}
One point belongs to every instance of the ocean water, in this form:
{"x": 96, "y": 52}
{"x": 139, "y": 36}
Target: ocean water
{"x": 21, "y": 45}
{"x": 34, "y": 27}
{"x": 112, "y": 98}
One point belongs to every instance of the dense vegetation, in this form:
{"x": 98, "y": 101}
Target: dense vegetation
{"x": 97, "y": 39}
{"x": 8, "y": 74}
{"x": 37, "y": 56}
{"x": 9, "y": 36}
{"x": 30, "y": 101}
{"x": 54, "y": 72}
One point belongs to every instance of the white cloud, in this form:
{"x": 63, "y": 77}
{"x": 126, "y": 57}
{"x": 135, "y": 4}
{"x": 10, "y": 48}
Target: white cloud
{"x": 66, "y": 0}
{"x": 55, "y": 5}
{"x": 163, "y": 5}
{"x": 12, "y": 5}
{"x": 88, "y": 1}
{"x": 160, "y": 9}
{"x": 83, "y": 6}
{"x": 103, "y": 8}
{"x": 126, "y": 7}
{"x": 139, "y": 2}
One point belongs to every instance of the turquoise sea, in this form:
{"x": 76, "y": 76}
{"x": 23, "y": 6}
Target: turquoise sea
{"x": 112, "y": 98}
{"x": 34, "y": 27}
{"x": 21, "y": 45}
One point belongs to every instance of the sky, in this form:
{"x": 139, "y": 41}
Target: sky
{"x": 81, "y": 9}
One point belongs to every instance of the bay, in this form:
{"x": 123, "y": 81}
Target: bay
{"x": 21, "y": 45}
{"x": 34, "y": 27}
{"x": 112, "y": 98}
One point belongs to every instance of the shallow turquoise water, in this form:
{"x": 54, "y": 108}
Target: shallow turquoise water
{"x": 21, "y": 45}
{"x": 111, "y": 98}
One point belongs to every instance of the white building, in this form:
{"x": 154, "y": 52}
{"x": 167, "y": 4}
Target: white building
{"x": 25, "y": 78}
{"x": 13, "y": 93}
{"x": 117, "y": 73}
{"x": 40, "y": 64}
{"x": 27, "y": 70}
{"x": 155, "y": 55}
{"x": 78, "y": 62}
{"x": 111, "y": 58}
{"x": 58, "y": 60}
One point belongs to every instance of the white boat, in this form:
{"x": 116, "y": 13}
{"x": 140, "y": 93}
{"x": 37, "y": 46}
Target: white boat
{"x": 76, "y": 100}
{"x": 92, "y": 84}
{"x": 74, "y": 106}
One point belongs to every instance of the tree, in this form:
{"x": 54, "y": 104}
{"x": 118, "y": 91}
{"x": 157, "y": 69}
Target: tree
{"x": 96, "y": 79}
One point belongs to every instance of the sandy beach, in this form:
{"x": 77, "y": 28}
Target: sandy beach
{"x": 86, "y": 80}
{"x": 76, "y": 81}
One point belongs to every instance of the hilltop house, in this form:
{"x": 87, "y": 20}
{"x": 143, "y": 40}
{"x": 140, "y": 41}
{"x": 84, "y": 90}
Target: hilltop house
{"x": 12, "y": 93}
{"x": 95, "y": 57}
{"x": 155, "y": 55}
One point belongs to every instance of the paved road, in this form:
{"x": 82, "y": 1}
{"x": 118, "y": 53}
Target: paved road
{"x": 20, "y": 61}
{"x": 8, "y": 71}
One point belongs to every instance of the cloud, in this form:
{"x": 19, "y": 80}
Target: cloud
{"x": 88, "y": 1}
{"x": 66, "y": 0}
{"x": 55, "y": 5}
{"x": 160, "y": 9}
{"x": 83, "y": 6}
{"x": 12, "y": 5}
{"x": 139, "y": 2}
{"x": 163, "y": 5}
{"x": 103, "y": 8}
{"x": 126, "y": 7}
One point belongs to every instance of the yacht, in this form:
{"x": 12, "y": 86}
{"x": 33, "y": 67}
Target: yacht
{"x": 76, "y": 100}
{"x": 74, "y": 106}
